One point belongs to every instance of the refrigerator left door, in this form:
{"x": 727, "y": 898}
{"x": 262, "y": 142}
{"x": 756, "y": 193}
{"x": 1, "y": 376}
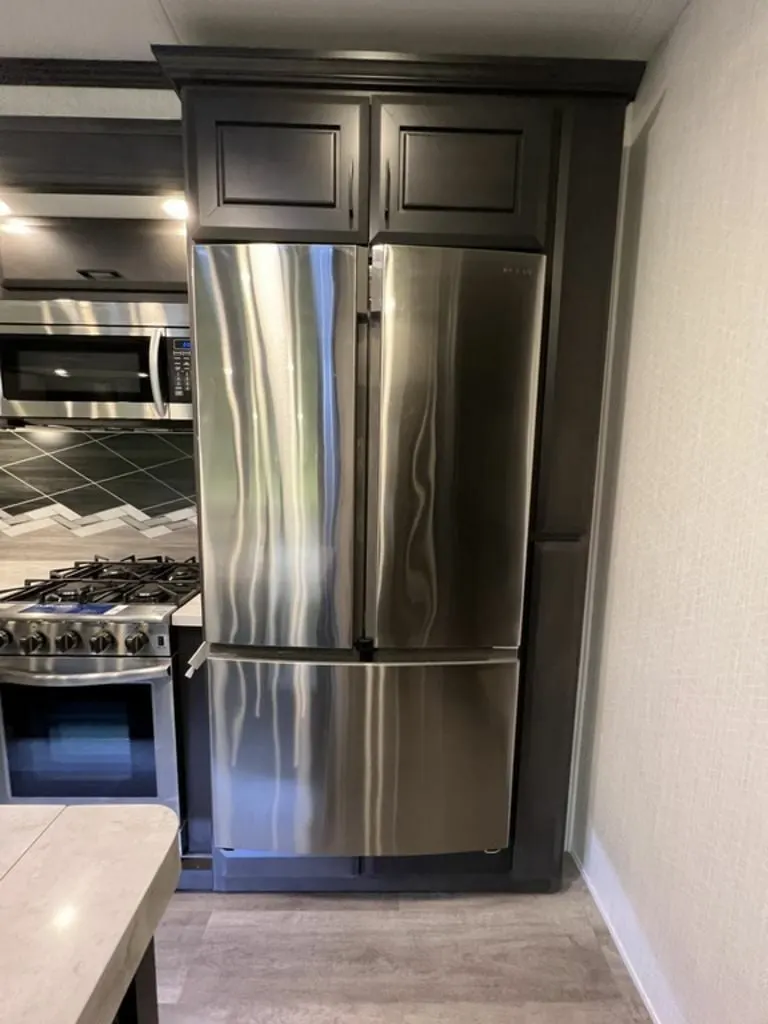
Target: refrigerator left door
{"x": 275, "y": 340}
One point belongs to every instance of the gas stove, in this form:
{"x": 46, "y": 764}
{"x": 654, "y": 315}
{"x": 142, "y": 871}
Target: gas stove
{"x": 102, "y": 608}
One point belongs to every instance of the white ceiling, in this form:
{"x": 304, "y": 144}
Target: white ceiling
{"x": 125, "y": 29}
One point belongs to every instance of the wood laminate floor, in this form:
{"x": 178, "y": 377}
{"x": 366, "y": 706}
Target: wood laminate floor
{"x": 496, "y": 959}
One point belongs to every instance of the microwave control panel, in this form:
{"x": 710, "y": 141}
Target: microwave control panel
{"x": 180, "y": 369}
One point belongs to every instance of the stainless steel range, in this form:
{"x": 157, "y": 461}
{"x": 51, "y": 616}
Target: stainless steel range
{"x": 86, "y": 688}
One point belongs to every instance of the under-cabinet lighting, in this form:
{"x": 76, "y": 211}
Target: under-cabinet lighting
{"x": 176, "y": 207}
{"x": 15, "y": 226}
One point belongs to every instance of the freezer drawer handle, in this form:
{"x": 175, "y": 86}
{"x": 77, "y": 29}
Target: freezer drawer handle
{"x": 136, "y": 675}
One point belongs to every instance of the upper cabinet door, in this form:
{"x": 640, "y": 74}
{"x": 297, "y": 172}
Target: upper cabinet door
{"x": 277, "y": 166}
{"x": 463, "y": 170}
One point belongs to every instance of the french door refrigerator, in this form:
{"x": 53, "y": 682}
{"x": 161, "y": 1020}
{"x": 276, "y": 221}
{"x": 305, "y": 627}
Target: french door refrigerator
{"x": 365, "y": 431}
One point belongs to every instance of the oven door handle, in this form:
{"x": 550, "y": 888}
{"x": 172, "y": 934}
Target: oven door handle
{"x": 27, "y": 677}
{"x": 158, "y": 400}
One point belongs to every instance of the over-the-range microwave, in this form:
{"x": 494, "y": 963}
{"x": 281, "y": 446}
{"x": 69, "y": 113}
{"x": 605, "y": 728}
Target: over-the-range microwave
{"x": 64, "y": 359}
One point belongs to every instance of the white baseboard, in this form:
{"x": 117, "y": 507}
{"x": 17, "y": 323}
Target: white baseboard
{"x": 671, "y": 1015}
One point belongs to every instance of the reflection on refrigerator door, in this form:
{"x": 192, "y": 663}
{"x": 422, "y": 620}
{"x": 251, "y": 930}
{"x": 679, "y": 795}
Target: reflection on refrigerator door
{"x": 454, "y": 369}
{"x": 275, "y": 376}
{"x": 355, "y": 759}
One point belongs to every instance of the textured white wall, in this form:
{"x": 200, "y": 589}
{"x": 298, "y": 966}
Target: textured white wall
{"x": 671, "y": 806}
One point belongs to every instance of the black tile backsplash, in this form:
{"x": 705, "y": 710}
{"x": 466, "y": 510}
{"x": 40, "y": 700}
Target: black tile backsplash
{"x": 13, "y": 490}
{"x": 178, "y": 475}
{"x": 25, "y": 507}
{"x": 93, "y": 473}
{"x": 140, "y": 490}
{"x": 15, "y": 448}
{"x": 95, "y": 462}
{"x": 46, "y": 474}
{"x": 49, "y": 439}
{"x": 143, "y": 450}
{"x": 87, "y": 501}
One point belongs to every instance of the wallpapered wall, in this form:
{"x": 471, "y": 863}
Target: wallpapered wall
{"x": 671, "y": 811}
{"x": 63, "y": 490}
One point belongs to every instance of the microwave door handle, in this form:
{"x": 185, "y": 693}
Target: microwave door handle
{"x": 26, "y": 677}
{"x": 158, "y": 400}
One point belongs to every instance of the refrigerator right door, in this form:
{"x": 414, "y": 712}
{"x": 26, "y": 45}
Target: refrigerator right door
{"x": 454, "y": 373}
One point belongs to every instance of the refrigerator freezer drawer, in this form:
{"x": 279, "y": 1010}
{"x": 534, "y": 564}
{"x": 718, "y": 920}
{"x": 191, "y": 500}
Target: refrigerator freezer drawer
{"x": 362, "y": 759}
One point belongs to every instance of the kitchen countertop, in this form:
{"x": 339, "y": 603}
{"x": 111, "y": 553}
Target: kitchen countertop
{"x": 82, "y": 891}
{"x": 190, "y": 614}
{"x": 14, "y": 573}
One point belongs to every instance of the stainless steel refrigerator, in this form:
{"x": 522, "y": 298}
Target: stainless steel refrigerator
{"x": 365, "y": 426}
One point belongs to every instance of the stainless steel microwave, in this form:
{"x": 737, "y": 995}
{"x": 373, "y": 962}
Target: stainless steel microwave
{"x": 69, "y": 360}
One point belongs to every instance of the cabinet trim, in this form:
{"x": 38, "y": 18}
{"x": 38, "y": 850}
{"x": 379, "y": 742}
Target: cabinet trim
{"x": 185, "y": 65}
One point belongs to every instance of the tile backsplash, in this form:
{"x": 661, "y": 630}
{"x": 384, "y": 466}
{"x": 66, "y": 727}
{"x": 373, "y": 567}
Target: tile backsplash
{"x": 58, "y": 485}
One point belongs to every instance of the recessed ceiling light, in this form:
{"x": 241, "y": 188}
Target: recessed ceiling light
{"x": 4, "y": 209}
{"x": 15, "y": 226}
{"x": 176, "y": 208}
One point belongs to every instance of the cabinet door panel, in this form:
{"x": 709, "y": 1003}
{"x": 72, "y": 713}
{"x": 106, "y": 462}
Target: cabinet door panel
{"x": 277, "y": 166}
{"x": 462, "y": 169}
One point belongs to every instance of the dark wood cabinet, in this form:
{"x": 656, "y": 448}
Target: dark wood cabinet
{"x": 549, "y": 685}
{"x": 109, "y": 155}
{"x": 458, "y": 170}
{"x": 275, "y": 166}
{"x": 72, "y": 255}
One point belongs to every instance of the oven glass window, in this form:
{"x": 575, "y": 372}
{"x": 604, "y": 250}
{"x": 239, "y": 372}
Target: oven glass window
{"x": 79, "y": 741}
{"x": 72, "y": 368}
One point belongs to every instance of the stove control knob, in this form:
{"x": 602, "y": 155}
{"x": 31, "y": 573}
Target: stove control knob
{"x": 67, "y": 641}
{"x": 6, "y": 639}
{"x": 101, "y": 641}
{"x": 32, "y": 644}
{"x": 136, "y": 642}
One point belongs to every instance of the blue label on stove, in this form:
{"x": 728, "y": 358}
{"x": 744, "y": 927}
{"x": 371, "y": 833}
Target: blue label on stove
{"x": 70, "y": 609}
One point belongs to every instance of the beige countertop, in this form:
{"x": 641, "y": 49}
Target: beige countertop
{"x": 14, "y": 573}
{"x": 82, "y": 891}
{"x": 190, "y": 614}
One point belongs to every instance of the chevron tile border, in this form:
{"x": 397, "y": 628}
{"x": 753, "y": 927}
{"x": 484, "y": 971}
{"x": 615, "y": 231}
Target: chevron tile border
{"x": 102, "y": 522}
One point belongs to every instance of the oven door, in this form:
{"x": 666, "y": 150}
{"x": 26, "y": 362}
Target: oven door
{"x": 87, "y": 730}
{"x": 87, "y": 372}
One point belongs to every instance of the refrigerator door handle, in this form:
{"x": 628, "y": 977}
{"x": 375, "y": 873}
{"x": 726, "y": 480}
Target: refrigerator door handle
{"x": 387, "y": 191}
{"x": 351, "y": 196}
{"x": 374, "y": 441}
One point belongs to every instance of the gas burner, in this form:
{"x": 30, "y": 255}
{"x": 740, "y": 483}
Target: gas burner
{"x": 154, "y": 593}
{"x": 143, "y": 580}
{"x": 104, "y": 608}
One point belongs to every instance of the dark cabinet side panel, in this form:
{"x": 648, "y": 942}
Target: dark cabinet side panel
{"x": 546, "y": 713}
{"x": 461, "y": 170}
{"x": 91, "y": 155}
{"x": 288, "y": 166}
{"x": 582, "y": 266}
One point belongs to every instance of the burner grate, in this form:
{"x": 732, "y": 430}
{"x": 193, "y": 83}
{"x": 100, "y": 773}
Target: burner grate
{"x": 134, "y": 580}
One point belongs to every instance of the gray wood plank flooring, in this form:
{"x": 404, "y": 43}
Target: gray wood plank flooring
{"x": 490, "y": 959}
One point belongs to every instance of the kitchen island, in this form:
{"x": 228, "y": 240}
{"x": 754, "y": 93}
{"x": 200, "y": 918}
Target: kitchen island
{"x": 82, "y": 891}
